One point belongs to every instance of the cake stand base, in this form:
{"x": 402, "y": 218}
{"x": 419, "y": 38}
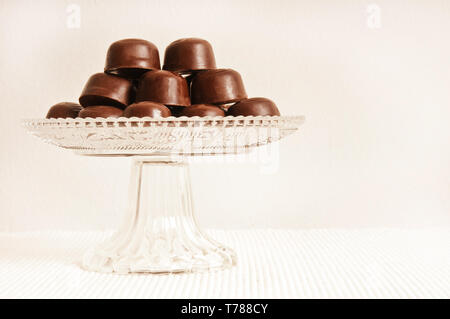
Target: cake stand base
{"x": 159, "y": 233}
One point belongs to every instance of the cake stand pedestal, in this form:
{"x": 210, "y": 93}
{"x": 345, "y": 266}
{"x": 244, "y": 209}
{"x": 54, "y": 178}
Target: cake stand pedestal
{"x": 159, "y": 233}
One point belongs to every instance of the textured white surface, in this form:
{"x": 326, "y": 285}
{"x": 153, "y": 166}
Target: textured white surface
{"x": 370, "y": 263}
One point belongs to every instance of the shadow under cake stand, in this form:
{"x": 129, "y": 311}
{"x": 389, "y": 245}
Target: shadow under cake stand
{"x": 159, "y": 232}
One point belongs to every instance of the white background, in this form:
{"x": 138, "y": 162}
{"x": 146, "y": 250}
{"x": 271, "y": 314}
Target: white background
{"x": 374, "y": 150}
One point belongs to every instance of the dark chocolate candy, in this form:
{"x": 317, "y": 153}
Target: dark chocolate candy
{"x": 256, "y": 106}
{"x": 164, "y": 87}
{"x": 64, "y": 110}
{"x": 100, "y": 111}
{"x": 219, "y": 86}
{"x": 190, "y": 54}
{"x": 131, "y": 58}
{"x": 105, "y": 89}
{"x": 202, "y": 110}
{"x": 147, "y": 108}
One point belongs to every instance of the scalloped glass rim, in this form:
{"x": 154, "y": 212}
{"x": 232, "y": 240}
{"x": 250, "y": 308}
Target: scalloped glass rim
{"x": 170, "y": 135}
{"x": 97, "y": 120}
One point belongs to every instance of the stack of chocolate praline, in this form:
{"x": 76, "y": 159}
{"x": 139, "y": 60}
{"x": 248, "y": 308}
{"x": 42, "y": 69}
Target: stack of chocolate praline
{"x": 189, "y": 84}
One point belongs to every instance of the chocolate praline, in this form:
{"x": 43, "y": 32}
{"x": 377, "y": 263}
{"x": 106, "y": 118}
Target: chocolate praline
{"x": 257, "y": 106}
{"x": 147, "y": 108}
{"x": 106, "y": 89}
{"x": 202, "y": 110}
{"x": 64, "y": 110}
{"x": 189, "y": 54}
{"x": 104, "y": 111}
{"x": 164, "y": 87}
{"x": 220, "y": 86}
{"x": 131, "y": 58}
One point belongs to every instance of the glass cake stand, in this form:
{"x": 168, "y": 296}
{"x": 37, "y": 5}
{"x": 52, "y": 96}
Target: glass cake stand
{"x": 159, "y": 232}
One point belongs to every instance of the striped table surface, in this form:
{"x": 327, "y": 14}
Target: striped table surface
{"x": 368, "y": 263}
